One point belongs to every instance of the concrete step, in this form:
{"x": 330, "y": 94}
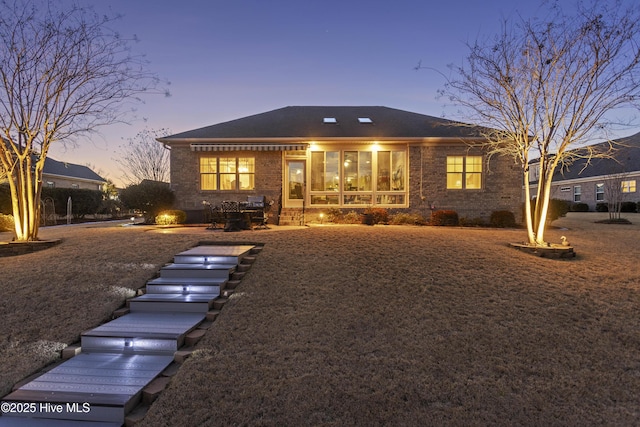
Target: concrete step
{"x": 213, "y": 255}
{"x": 182, "y": 281}
{"x": 164, "y": 302}
{"x": 91, "y": 387}
{"x": 142, "y": 333}
{"x": 186, "y": 289}
{"x": 197, "y": 270}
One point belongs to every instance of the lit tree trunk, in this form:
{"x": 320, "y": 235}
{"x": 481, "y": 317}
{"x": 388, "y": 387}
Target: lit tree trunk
{"x": 548, "y": 89}
{"x": 25, "y": 199}
{"x": 63, "y": 73}
{"x": 527, "y": 207}
{"x": 543, "y": 201}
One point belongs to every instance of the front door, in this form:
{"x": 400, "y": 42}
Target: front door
{"x": 295, "y": 184}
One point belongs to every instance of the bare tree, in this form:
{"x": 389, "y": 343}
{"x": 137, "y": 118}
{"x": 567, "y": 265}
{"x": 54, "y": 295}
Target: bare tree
{"x": 63, "y": 72}
{"x": 146, "y": 158}
{"x": 614, "y": 193}
{"x": 547, "y": 87}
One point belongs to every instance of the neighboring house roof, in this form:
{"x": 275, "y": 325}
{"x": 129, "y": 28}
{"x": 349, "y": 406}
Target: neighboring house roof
{"x": 625, "y": 159}
{"x": 328, "y": 123}
{"x": 70, "y": 170}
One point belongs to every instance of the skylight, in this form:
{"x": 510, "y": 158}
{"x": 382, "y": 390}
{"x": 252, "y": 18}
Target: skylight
{"x": 331, "y": 120}
{"x": 365, "y": 120}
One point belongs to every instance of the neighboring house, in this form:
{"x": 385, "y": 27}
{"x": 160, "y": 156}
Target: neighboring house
{"x": 306, "y": 160}
{"x": 602, "y": 179}
{"x": 69, "y": 175}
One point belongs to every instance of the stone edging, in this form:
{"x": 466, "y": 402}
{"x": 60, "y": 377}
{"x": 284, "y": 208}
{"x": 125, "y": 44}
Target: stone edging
{"x": 21, "y": 248}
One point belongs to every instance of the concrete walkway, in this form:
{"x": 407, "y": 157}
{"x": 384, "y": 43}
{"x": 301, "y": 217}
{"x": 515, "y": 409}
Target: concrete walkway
{"x": 115, "y": 367}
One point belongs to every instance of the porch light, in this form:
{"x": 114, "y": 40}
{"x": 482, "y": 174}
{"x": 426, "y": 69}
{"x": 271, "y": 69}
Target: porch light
{"x": 321, "y": 217}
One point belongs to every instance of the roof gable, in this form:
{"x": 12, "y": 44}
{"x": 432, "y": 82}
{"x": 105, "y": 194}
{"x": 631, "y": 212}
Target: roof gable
{"x": 344, "y": 122}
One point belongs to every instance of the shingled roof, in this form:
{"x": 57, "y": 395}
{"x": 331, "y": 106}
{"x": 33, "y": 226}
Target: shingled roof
{"x": 314, "y": 122}
{"x": 71, "y": 170}
{"x": 625, "y": 159}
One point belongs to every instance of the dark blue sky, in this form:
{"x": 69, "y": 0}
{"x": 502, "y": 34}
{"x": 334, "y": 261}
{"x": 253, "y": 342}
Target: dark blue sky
{"x": 228, "y": 59}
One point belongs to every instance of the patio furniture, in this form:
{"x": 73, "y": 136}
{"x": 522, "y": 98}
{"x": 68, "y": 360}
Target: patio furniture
{"x": 233, "y": 216}
{"x": 256, "y": 207}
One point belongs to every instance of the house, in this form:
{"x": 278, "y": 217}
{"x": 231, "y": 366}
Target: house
{"x": 601, "y": 179}
{"x": 306, "y": 160}
{"x": 69, "y": 175}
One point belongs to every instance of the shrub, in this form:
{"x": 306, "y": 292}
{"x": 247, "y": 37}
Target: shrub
{"x": 602, "y": 207}
{"x": 445, "y": 217}
{"x": 83, "y": 202}
{"x": 5, "y": 199}
{"x": 170, "y": 217}
{"x": 6, "y": 222}
{"x": 403, "y": 218}
{"x": 580, "y": 207}
{"x": 502, "y": 219}
{"x": 380, "y": 215}
{"x": 628, "y": 207}
{"x": 334, "y": 215}
{"x": 150, "y": 197}
{"x": 557, "y": 208}
{"x": 351, "y": 217}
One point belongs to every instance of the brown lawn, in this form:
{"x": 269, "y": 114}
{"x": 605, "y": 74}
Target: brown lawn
{"x": 357, "y": 325}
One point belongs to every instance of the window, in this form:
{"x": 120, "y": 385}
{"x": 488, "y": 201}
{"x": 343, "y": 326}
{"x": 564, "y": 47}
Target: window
{"x": 365, "y": 120}
{"x": 629, "y": 186}
{"x": 577, "y": 193}
{"x": 227, "y": 173}
{"x": 75, "y": 185}
{"x": 464, "y": 172}
{"x": 391, "y": 166}
{"x": 357, "y": 171}
{"x": 599, "y": 192}
{"x": 358, "y": 177}
{"x": 325, "y": 171}
{"x": 330, "y": 120}
{"x": 565, "y": 189}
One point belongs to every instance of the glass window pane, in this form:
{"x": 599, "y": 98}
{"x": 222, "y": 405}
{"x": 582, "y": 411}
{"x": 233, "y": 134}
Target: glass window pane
{"x": 208, "y": 168}
{"x": 350, "y": 170}
{"x": 384, "y": 174}
{"x": 208, "y": 165}
{"x": 247, "y": 181}
{"x": 227, "y": 181}
{"x": 246, "y": 165}
{"x": 317, "y": 171}
{"x": 454, "y": 180}
{"x": 208, "y": 181}
{"x": 474, "y": 164}
{"x": 227, "y": 165}
{"x": 397, "y": 178}
{"x": 455, "y": 164}
{"x": 332, "y": 171}
{"x": 364, "y": 175}
{"x": 474, "y": 181}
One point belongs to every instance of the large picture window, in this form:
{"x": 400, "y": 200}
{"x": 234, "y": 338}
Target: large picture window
{"x": 227, "y": 173}
{"x": 464, "y": 172}
{"x": 358, "y": 177}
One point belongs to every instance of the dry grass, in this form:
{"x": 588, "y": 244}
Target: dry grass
{"x": 356, "y": 325}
